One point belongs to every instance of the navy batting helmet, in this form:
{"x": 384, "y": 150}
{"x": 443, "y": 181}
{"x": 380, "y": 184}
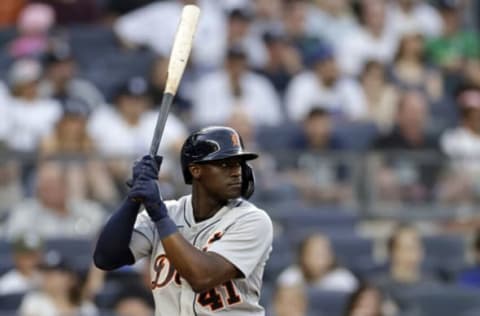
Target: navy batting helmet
{"x": 217, "y": 143}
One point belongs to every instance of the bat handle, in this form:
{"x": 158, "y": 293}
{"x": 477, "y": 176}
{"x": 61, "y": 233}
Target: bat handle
{"x": 167, "y": 100}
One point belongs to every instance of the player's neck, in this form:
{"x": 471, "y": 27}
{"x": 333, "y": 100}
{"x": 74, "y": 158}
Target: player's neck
{"x": 204, "y": 206}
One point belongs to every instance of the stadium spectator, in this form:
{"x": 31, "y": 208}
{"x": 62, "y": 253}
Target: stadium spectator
{"x": 409, "y": 70}
{"x": 407, "y": 177}
{"x": 283, "y": 61}
{"x": 53, "y": 213}
{"x": 135, "y": 29}
{"x": 317, "y": 267}
{"x": 324, "y": 85}
{"x": 405, "y": 258}
{"x": 368, "y": 300}
{"x": 24, "y": 277}
{"x": 317, "y": 179}
{"x": 30, "y": 116}
{"x": 374, "y": 39}
{"x": 456, "y": 50}
{"x": 218, "y": 93}
{"x": 61, "y": 80}
{"x": 381, "y": 96}
{"x": 87, "y": 176}
{"x": 60, "y": 292}
{"x": 134, "y": 300}
{"x": 462, "y": 146}
{"x": 73, "y": 12}
{"x": 240, "y": 34}
{"x": 471, "y": 276}
{"x": 133, "y": 121}
{"x": 406, "y": 15}
{"x": 331, "y": 20}
{"x": 290, "y": 300}
{"x": 295, "y": 27}
{"x": 33, "y": 25}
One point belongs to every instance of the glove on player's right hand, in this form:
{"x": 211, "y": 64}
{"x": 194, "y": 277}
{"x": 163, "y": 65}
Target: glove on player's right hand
{"x": 148, "y": 167}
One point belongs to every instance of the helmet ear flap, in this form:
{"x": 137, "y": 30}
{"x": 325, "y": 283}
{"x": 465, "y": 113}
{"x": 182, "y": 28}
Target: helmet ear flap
{"x": 248, "y": 181}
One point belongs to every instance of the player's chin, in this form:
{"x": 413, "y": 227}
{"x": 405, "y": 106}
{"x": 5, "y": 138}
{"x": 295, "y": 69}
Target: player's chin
{"x": 233, "y": 191}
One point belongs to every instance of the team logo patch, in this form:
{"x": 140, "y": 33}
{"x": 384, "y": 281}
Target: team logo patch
{"x": 235, "y": 140}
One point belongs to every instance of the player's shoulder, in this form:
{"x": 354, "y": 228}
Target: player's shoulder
{"x": 248, "y": 210}
{"x": 176, "y": 206}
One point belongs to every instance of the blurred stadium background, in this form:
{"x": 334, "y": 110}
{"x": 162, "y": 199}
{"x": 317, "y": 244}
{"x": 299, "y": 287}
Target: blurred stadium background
{"x": 366, "y": 115}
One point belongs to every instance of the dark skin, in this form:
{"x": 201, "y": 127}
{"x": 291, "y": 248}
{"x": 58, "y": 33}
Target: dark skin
{"x": 214, "y": 184}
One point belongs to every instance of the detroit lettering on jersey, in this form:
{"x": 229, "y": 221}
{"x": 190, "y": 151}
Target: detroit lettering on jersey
{"x": 240, "y": 232}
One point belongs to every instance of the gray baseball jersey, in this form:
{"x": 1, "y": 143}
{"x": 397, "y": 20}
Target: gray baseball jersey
{"x": 239, "y": 231}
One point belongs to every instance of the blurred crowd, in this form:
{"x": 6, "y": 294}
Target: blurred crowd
{"x": 347, "y": 101}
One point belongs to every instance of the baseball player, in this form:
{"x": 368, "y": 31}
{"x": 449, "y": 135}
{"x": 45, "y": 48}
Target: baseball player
{"x": 208, "y": 250}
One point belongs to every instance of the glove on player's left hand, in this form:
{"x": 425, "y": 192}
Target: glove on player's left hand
{"x": 147, "y": 167}
{"x": 147, "y": 191}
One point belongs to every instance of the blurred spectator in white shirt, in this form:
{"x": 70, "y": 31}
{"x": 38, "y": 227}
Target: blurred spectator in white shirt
{"x": 135, "y": 28}
{"x": 375, "y": 38}
{"x": 217, "y": 94}
{"x": 324, "y": 86}
{"x": 317, "y": 267}
{"x": 462, "y": 146}
{"x": 25, "y": 276}
{"x": 52, "y": 213}
{"x": 123, "y": 132}
{"x": 331, "y": 20}
{"x": 415, "y": 14}
{"x": 61, "y": 81}
{"x": 30, "y": 117}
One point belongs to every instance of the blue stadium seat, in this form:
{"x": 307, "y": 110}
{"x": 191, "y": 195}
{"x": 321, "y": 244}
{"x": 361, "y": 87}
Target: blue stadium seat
{"x": 79, "y": 251}
{"x": 6, "y": 260}
{"x": 446, "y": 252}
{"x": 277, "y": 138}
{"x": 10, "y": 302}
{"x": 443, "y": 300}
{"x": 329, "y": 303}
{"x": 356, "y": 136}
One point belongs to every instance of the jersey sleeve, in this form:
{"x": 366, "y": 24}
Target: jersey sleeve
{"x": 246, "y": 242}
{"x": 143, "y": 236}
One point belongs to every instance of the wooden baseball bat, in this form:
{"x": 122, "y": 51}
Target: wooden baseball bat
{"x": 182, "y": 46}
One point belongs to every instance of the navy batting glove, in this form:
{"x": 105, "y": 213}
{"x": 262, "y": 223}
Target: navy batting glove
{"x": 147, "y": 192}
{"x": 148, "y": 168}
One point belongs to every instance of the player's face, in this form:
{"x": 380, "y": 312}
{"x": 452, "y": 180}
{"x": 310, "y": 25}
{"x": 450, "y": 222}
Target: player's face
{"x": 222, "y": 178}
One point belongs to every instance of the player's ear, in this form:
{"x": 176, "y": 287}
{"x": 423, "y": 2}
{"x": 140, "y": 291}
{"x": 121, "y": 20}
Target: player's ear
{"x": 195, "y": 171}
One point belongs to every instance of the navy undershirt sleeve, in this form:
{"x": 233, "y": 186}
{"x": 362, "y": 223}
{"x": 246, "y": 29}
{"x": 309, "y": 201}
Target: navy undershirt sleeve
{"x": 112, "y": 250}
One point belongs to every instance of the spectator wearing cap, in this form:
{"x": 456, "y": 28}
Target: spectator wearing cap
{"x": 60, "y": 292}
{"x": 30, "y": 116}
{"x": 135, "y": 29}
{"x": 283, "y": 62}
{"x": 240, "y": 34}
{"x": 61, "y": 81}
{"x": 324, "y": 85}
{"x": 124, "y": 132}
{"x": 24, "y": 277}
{"x": 34, "y": 24}
{"x": 217, "y": 94}
{"x": 87, "y": 176}
{"x": 375, "y": 38}
{"x": 53, "y": 213}
{"x": 471, "y": 276}
{"x": 462, "y": 147}
{"x": 456, "y": 50}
